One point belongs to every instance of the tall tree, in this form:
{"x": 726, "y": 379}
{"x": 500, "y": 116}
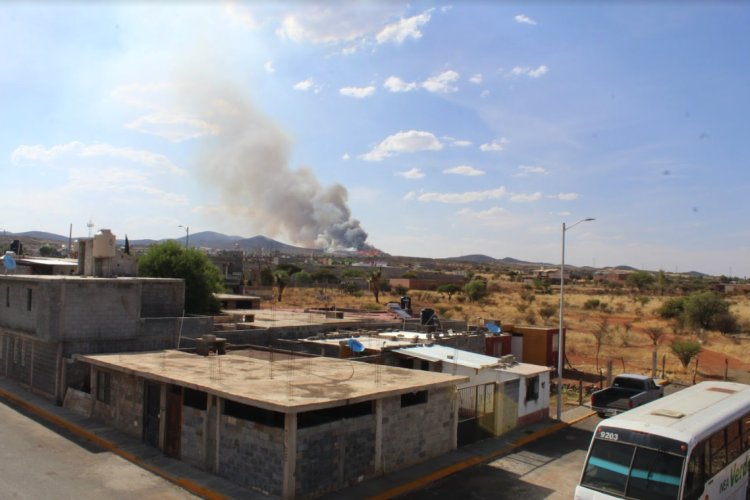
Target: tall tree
{"x": 281, "y": 279}
{"x": 202, "y": 278}
{"x": 127, "y": 245}
{"x": 373, "y": 281}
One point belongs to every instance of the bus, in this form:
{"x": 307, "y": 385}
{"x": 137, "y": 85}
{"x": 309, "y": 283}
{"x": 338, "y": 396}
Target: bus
{"x": 693, "y": 444}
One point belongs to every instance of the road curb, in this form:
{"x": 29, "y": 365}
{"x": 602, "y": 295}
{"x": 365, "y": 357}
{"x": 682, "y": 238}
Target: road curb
{"x": 59, "y": 421}
{"x": 470, "y": 462}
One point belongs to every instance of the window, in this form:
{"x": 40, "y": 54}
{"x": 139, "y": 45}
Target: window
{"x": 532, "y": 389}
{"x": 319, "y": 417}
{"x": 717, "y": 445}
{"x": 253, "y": 414}
{"x": 746, "y": 431}
{"x": 413, "y": 398}
{"x": 195, "y": 399}
{"x": 696, "y": 473}
{"x": 734, "y": 441}
{"x": 103, "y": 386}
{"x": 28, "y": 299}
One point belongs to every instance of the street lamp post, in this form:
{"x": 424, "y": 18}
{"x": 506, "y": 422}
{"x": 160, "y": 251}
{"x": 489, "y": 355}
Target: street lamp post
{"x": 560, "y": 341}
{"x": 187, "y": 234}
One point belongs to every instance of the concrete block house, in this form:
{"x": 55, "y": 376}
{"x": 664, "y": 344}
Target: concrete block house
{"x": 285, "y": 426}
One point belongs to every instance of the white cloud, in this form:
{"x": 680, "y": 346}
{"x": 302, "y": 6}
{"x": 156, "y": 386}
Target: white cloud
{"x": 357, "y": 92}
{"x": 456, "y": 143}
{"x": 268, "y": 66}
{"x": 527, "y": 170}
{"x": 476, "y": 79}
{"x": 241, "y": 15}
{"x": 525, "y": 198}
{"x": 495, "y": 145}
{"x": 403, "y": 142}
{"x": 442, "y": 83}
{"x": 38, "y": 153}
{"x": 396, "y": 84}
{"x": 464, "y": 170}
{"x": 484, "y": 93}
{"x": 165, "y": 118}
{"x": 566, "y": 196}
{"x": 530, "y": 72}
{"x": 524, "y": 19}
{"x": 330, "y": 24}
{"x": 493, "y": 217}
{"x": 345, "y": 157}
{"x": 414, "y": 173}
{"x": 410, "y": 195}
{"x": 174, "y": 127}
{"x": 467, "y": 197}
{"x": 402, "y": 29}
{"x": 304, "y": 85}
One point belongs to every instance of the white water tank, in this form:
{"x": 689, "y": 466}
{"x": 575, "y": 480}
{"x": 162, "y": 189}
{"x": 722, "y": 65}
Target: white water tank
{"x": 104, "y": 244}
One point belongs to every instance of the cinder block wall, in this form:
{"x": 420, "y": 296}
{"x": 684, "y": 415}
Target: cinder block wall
{"x": 162, "y": 299}
{"x": 417, "y": 433}
{"x": 98, "y": 309}
{"x": 334, "y": 455}
{"x": 191, "y": 440}
{"x": 251, "y": 454}
{"x": 125, "y": 411}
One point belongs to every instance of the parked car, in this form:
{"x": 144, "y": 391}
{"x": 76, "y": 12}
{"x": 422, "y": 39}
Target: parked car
{"x": 627, "y": 391}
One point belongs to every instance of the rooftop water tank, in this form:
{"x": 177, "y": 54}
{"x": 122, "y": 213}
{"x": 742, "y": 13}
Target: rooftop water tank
{"x": 104, "y": 244}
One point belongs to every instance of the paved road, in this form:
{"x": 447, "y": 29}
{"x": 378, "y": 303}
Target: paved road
{"x": 547, "y": 468}
{"x": 39, "y": 462}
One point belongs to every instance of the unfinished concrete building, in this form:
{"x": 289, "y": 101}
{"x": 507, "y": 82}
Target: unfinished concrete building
{"x": 286, "y": 426}
{"x": 44, "y": 320}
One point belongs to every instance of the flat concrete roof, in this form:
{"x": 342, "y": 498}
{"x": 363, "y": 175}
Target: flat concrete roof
{"x": 91, "y": 279}
{"x": 286, "y": 384}
{"x": 273, "y": 318}
{"x": 371, "y": 343}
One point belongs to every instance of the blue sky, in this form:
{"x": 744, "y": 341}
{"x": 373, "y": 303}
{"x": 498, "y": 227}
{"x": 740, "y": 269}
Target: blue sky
{"x": 435, "y": 129}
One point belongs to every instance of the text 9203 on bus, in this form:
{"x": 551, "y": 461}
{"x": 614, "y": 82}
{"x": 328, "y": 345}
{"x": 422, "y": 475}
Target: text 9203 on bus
{"x": 693, "y": 444}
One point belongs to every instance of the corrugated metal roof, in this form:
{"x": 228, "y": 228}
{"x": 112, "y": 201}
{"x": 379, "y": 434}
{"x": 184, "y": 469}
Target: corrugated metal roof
{"x": 46, "y": 262}
{"x": 451, "y": 355}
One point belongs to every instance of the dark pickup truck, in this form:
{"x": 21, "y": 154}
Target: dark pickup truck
{"x": 627, "y": 391}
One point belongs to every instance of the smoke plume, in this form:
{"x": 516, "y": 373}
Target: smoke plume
{"x": 248, "y": 160}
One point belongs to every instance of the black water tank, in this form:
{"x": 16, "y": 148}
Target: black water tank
{"x": 427, "y": 316}
{"x": 406, "y": 303}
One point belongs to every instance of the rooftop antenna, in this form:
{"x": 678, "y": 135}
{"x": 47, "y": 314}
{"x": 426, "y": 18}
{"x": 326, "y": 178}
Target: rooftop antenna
{"x": 90, "y": 225}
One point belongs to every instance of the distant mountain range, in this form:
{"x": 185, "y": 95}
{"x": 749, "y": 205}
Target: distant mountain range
{"x": 219, "y": 241}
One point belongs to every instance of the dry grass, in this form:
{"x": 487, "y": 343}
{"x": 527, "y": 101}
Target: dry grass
{"x": 627, "y": 318}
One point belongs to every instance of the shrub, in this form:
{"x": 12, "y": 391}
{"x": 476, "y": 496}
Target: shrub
{"x": 591, "y": 304}
{"x": 685, "y": 350}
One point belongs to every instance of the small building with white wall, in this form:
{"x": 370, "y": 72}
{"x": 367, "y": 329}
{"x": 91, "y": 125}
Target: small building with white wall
{"x": 500, "y": 395}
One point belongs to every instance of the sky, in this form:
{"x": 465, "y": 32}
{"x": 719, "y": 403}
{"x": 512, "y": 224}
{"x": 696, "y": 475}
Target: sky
{"x": 422, "y": 129}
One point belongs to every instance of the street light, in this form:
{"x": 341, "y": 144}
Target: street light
{"x": 560, "y": 342}
{"x": 187, "y": 234}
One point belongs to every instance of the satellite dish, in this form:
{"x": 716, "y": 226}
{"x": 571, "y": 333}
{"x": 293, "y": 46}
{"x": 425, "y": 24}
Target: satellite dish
{"x": 9, "y": 262}
{"x": 355, "y": 345}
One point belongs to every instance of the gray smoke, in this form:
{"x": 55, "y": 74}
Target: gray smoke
{"x": 248, "y": 159}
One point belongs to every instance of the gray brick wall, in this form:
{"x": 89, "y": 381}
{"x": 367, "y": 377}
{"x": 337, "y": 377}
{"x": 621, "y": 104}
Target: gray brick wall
{"x": 45, "y": 367}
{"x": 162, "y": 299}
{"x": 125, "y": 411}
{"x": 417, "y": 433}
{"x": 191, "y": 444}
{"x": 334, "y": 455}
{"x": 251, "y": 454}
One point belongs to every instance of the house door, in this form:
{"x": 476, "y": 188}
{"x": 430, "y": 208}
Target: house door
{"x": 173, "y": 431}
{"x": 151, "y": 410}
{"x": 476, "y": 413}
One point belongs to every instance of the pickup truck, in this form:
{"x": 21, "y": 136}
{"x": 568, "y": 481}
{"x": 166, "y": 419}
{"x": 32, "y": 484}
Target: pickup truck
{"x": 627, "y": 391}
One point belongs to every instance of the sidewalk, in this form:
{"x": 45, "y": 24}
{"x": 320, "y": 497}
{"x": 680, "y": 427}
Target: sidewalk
{"x": 422, "y": 474}
{"x": 210, "y": 486}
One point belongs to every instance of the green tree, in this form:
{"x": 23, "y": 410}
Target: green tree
{"x": 47, "y": 251}
{"x": 352, "y": 273}
{"x": 324, "y": 275}
{"x": 640, "y": 280}
{"x": 374, "y": 282}
{"x": 301, "y": 278}
{"x": 290, "y": 269}
{"x": 281, "y": 280}
{"x": 202, "y": 278}
{"x": 400, "y": 290}
{"x": 702, "y": 309}
{"x": 475, "y": 290}
{"x": 127, "y": 245}
{"x": 449, "y": 290}
{"x": 546, "y": 311}
{"x": 672, "y": 308}
{"x": 685, "y": 350}
{"x": 266, "y": 277}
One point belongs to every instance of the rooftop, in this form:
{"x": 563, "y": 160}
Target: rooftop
{"x": 286, "y": 384}
{"x": 470, "y": 359}
{"x": 370, "y": 343}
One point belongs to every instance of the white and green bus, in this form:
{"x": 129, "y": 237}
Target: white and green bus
{"x": 693, "y": 444}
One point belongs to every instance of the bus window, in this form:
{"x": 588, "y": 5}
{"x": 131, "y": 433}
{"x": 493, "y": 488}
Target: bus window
{"x": 608, "y": 466}
{"x": 734, "y": 441}
{"x": 696, "y": 473}
{"x": 718, "y": 452}
{"x": 746, "y": 432}
{"x": 654, "y": 474}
